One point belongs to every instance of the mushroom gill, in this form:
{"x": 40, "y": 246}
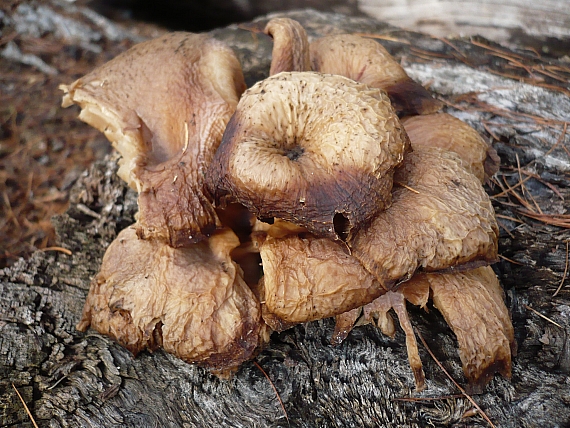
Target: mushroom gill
{"x": 306, "y": 278}
{"x": 290, "y": 46}
{"x": 164, "y": 105}
{"x": 440, "y": 218}
{"x": 191, "y": 301}
{"x": 367, "y": 61}
{"x": 447, "y": 132}
{"x": 317, "y": 150}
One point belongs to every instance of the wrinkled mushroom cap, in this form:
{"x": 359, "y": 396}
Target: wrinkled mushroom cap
{"x": 308, "y": 278}
{"x": 164, "y": 105}
{"x": 191, "y": 301}
{"x": 305, "y": 147}
{"x": 367, "y": 61}
{"x": 447, "y": 132}
{"x": 472, "y": 304}
{"x": 442, "y": 219}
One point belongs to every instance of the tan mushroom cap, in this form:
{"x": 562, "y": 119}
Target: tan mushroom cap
{"x": 306, "y": 147}
{"x": 441, "y": 219}
{"x": 450, "y": 133}
{"x": 472, "y": 304}
{"x": 308, "y": 278}
{"x": 164, "y": 105}
{"x": 367, "y": 61}
{"x": 191, "y": 301}
{"x": 290, "y": 46}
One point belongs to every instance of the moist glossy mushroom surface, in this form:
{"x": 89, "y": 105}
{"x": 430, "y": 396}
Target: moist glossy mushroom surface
{"x": 164, "y": 105}
{"x": 191, "y": 301}
{"x": 310, "y": 148}
{"x": 440, "y": 218}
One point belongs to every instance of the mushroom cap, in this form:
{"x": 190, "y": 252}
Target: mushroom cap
{"x": 308, "y": 278}
{"x": 164, "y": 105}
{"x": 367, "y": 61}
{"x": 192, "y": 301}
{"x": 311, "y": 149}
{"x": 290, "y": 46}
{"x": 450, "y": 133}
{"x": 472, "y": 304}
{"x": 442, "y": 219}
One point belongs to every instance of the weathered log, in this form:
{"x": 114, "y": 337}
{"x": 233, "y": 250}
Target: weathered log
{"x": 69, "y": 379}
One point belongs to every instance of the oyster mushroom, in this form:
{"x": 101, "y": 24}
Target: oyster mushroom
{"x": 367, "y": 61}
{"x": 317, "y": 150}
{"x": 164, "y": 105}
{"x": 447, "y": 132}
{"x": 290, "y": 46}
{"x": 191, "y": 301}
{"x": 440, "y": 218}
{"x": 306, "y": 278}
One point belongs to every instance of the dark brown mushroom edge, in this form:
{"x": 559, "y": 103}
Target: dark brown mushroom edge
{"x": 315, "y": 177}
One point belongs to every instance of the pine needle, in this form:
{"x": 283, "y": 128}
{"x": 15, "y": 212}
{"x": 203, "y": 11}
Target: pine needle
{"x": 25, "y": 406}
{"x": 274, "y": 389}
{"x": 564, "y": 274}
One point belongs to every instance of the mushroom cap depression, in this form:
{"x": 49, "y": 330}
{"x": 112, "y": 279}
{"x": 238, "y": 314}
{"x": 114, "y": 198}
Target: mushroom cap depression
{"x": 367, "y": 61}
{"x": 312, "y": 149}
{"x": 191, "y": 301}
{"x": 440, "y": 218}
{"x": 447, "y": 132}
{"x": 164, "y": 105}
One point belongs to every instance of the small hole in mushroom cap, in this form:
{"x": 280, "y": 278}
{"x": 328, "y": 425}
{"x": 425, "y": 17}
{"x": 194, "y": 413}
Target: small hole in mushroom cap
{"x": 341, "y": 226}
{"x": 294, "y": 153}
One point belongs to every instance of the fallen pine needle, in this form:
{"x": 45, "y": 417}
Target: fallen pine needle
{"x": 274, "y": 389}
{"x": 25, "y": 406}
{"x": 60, "y": 249}
{"x": 481, "y": 412}
{"x": 510, "y": 260}
{"x": 542, "y": 316}
{"x": 407, "y": 187}
{"x": 564, "y": 274}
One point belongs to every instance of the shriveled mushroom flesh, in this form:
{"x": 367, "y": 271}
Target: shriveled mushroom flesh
{"x": 312, "y": 149}
{"x": 367, "y": 61}
{"x": 191, "y": 301}
{"x": 308, "y": 278}
{"x": 290, "y": 46}
{"x": 447, "y": 132}
{"x": 440, "y": 218}
{"x": 164, "y": 105}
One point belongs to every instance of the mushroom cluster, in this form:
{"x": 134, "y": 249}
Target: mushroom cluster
{"x": 333, "y": 188}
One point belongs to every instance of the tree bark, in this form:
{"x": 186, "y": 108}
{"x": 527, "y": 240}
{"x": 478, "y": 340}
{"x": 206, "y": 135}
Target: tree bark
{"x": 70, "y": 379}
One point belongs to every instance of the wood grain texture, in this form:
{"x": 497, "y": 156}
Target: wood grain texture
{"x": 70, "y": 379}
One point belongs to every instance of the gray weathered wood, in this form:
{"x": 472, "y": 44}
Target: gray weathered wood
{"x": 70, "y": 379}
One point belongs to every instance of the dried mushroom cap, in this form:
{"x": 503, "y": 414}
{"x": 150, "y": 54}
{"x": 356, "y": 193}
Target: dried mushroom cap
{"x": 447, "y": 132}
{"x": 191, "y": 301}
{"x": 316, "y": 150}
{"x": 367, "y": 61}
{"x": 164, "y": 105}
{"x": 308, "y": 278}
{"x": 290, "y": 46}
{"x": 441, "y": 219}
{"x": 472, "y": 304}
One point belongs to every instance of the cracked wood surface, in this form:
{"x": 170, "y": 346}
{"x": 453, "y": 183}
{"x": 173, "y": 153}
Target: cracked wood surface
{"x": 70, "y": 379}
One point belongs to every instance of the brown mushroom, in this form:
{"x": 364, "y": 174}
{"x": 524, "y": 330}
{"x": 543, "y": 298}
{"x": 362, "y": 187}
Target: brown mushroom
{"x": 306, "y": 278}
{"x": 191, "y": 301}
{"x": 290, "y": 46}
{"x": 472, "y": 304}
{"x": 440, "y": 218}
{"x": 367, "y": 61}
{"x": 317, "y": 150}
{"x": 447, "y": 132}
{"x": 164, "y": 105}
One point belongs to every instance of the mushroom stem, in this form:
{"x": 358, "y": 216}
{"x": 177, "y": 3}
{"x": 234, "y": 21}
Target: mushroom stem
{"x": 290, "y": 46}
